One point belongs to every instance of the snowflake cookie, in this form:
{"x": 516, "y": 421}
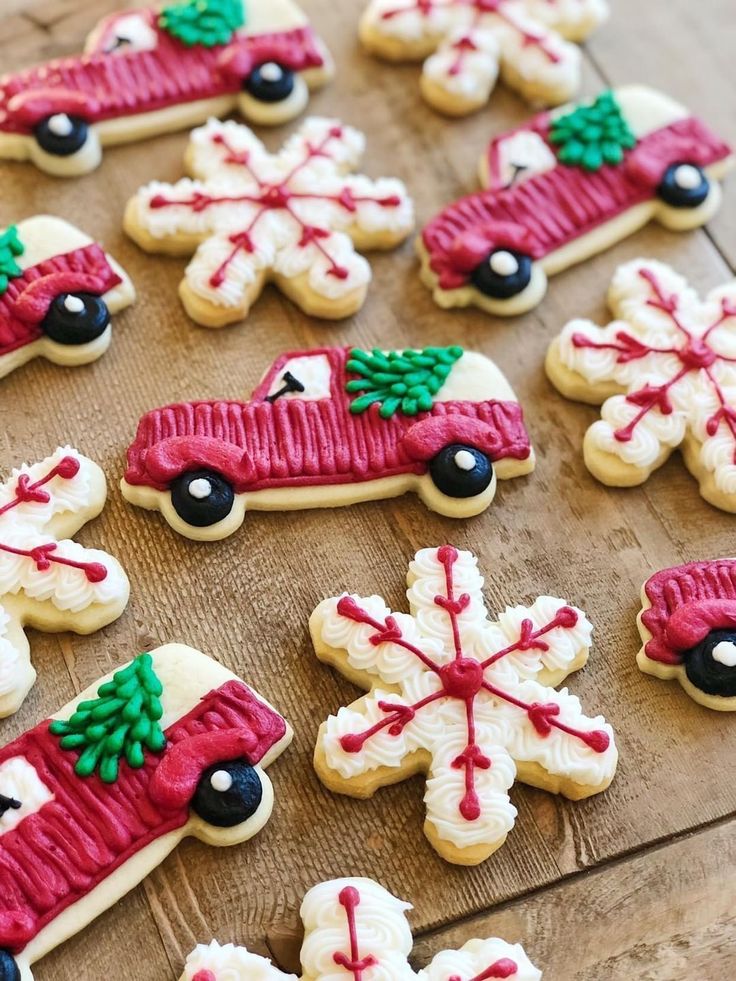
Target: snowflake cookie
{"x": 466, "y": 43}
{"x": 469, "y": 701}
{"x": 665, "y": 372}
{"x": 688, "y": 630}
{"x": 294, "y": 218}
{"x": 58, "y": 289}
{"x": 354, "y": 928}
{"x": 169, "y": 746}
{"x": 47, "y": 581}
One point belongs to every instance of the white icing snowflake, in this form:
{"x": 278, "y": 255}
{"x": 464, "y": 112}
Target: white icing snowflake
{"x": 465, "y": 698}
{"x": 45, "y": 580}
{"x": 672, "y": 358}
{"x": 355, "y": 929}
{"x": 473, "y": 40}
{"x": 294, "y": 217}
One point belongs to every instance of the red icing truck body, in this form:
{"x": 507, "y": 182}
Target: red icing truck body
{"x": 136, "y": 79}
{"x": 299, "y": 443}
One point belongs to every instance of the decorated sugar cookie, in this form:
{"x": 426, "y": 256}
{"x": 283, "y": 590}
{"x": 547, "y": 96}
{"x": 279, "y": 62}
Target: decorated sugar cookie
{"x": 329, "y": 427}
{"x": 158, "y": 69}
{"x": 665, "y": 373}
{"x": 688, "y": 630}
{"x": 354, "y": 928}
{"x": 91, "y": 801}
{"x": 565, "y": 186}
{"x": 469, "y": 701}
{"x": 467, "y": 43}
{"x": 58, "y": 289}
{"x": 295, "y": 218}
{"x": 46, "y": 580}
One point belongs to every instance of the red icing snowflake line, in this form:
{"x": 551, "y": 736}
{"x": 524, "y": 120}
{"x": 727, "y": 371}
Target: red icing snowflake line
{"x": 277, "y": 197}
{"x": 695, "y": 354}
{"x": 465, "y": 43}
{"x": 357, "y": 964}
{"x": 463, "y": 679}
{"x": 44, "y": 555}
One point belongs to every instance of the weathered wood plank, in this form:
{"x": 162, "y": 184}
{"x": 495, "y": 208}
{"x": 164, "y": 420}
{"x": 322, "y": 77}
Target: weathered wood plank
{"x": 247, "y": 600}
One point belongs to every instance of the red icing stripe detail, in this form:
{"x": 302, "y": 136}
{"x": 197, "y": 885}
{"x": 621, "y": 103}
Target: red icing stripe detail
{"x": 129, "y": 83}
{"x": 672, "y": 589}
{"x": 57, "y": 855}
{"x": 560, "y": 205}
{"x": 26, "y": 301}
{"x": 259, "y": 445}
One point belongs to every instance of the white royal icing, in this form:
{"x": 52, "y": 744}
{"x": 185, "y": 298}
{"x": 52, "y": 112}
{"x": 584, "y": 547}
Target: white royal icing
{"x": 700, "y": 400}
{"x": 725, "y": 653}
{"x": 504, "y": 730}
{"x": 358, "y": 918}
{"x": 313, "y": 371}
{"x": 520, "y": 156}
{"x": 20, "y": 782}
{"x": 279, "y": 240}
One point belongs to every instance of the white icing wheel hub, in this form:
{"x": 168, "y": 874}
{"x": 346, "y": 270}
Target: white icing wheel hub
{"x": 73, "y": 304}
{"x": 503, "y": 263}
{"x": 464, "y": 460}
{"x": 61, "y": 124}
{"x": 687, "y": 177}
{"x": 221, "y": 781}
{"x": 271, "y": 72}
{"x": 200, "y": 489}
{"x": 725, "y": 653}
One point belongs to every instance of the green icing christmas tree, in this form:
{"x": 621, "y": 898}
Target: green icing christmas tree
{"x": 122, "y": 721}
{"x": 592, "y": 135}
{"x": 401, "y": 381}
{"x": 205, "y": 22}
{"x": 10, "y": 248}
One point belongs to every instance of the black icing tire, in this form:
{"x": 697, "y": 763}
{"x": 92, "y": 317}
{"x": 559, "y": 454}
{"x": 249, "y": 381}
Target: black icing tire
{"x": 202, "y": 498}
{"x": 9, "y": 970}
{"x": 62, "y": 135}
{"x": 76, "y": 318}
{"x": 502, "y": 274}
{"x": 706, "y": 672}
{"x": 684, "y": 185}
{"x": 228, "y": 794}
{"x": 461, "y": 471}
{"x": 270, "y": 82}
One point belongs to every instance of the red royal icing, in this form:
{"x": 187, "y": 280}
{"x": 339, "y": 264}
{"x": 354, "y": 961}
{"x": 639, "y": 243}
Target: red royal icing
{"x": 45, "y": 555}
{"x": 560, "y": 205}
{"x": 111, "y": 85}
{"x": 60, "y": 853}
{"x": 505, "y": 968}
{"x": 258, "y": 445}
{"x": 204, "y": 976}
{"x": 349, "y": 899}
{"x": 688, "y": 601}
{"x": 27, "y": 299}
{"x": 463, "y": 679}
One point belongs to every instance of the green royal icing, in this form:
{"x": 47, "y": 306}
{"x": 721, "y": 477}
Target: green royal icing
{"x": 401, "y": 381}
{"x": 122, "y": 721}
{"x": 10, "y": 248}
{"x": 592, "y": 135}
{"x": 205, "y": 22}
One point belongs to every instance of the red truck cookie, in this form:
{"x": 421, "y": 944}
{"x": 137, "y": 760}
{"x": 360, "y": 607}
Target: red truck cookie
{"x": 329, "y": 427}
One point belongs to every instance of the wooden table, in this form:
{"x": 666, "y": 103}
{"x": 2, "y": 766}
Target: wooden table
{"x": 635, "y": 883}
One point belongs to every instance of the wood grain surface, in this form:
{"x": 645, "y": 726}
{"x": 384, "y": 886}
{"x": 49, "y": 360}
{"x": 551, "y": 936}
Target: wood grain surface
{"x": 652, "y": 911}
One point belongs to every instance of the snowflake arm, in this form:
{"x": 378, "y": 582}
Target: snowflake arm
{"x": 296, "y": 217}
{"x": 49, "y": 581}
{"x": 355, "y": 929}
{"x": 665, "y": 372}
{"x": 461, "y": 698}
